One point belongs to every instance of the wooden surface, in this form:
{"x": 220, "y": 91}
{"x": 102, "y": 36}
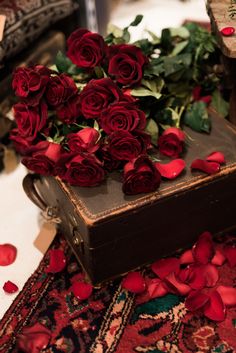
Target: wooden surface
{"x": 223, "y": 14}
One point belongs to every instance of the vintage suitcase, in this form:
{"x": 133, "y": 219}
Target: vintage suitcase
{"x": 111, "y": 233}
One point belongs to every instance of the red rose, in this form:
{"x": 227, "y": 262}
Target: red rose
{"x": 140, "y": 175}
{"x": 97, "y": 95}
{"x": 30, "y": 83}
{"x": 122, "y": 116}
{"x": 171, "y": 142}
{"x": 124, "y": 146}
{"x": 60, "y": 89}
{"x": 34, "y": 339}
{"x": 84, "y": 140}
{"x": 69, "y": 111}
{"x": 109, "y": 163}
{"x": 44, "y": 157}
{"x": 126, "y": 63}
{"x": 84, "y": 170}
{"x": 29, "y": 119}
{"x": 21, "y": 144}
{"x": 86, "y": 49}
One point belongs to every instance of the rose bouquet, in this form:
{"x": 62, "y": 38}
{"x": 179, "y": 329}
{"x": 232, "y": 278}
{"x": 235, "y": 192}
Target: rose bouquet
{"x": 109, "y": 104}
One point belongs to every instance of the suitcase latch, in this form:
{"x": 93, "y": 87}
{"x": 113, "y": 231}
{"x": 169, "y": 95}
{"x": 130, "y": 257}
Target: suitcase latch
{"x": 77, "y": 239}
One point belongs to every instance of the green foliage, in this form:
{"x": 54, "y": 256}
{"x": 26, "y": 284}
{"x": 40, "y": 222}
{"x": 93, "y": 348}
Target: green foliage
{"x": 197, "y": 117}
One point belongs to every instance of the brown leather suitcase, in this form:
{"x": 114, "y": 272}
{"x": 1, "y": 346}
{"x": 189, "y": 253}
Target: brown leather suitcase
{"x": 111, "y": 233}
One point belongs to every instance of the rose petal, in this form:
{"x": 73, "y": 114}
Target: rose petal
{"x": 34, "y": 339}
{"x": 164, "y": 267}
{"x": 228, "y": 295}
{"x": 174, "y": 285}
{"x": 214, "y": 309}
{"x": 211, "y": 274}
{"x": 230, "y": 253}
{"x": 194, "y": 277}
{"x": 203, "y": 250}
{"x": 156, "y": 288}
{"x": 57, "y": 261}
{"x": 134, "y": 282}
{"x": 172, "y": 169}
{"x": 219, "y": 258}
{"x": 187, "y": 257}
{"x": 205, "y": 166}
{"x": 217, "y": 157}
{"x": 82, "y": 290}
{"x": 10, "y": 287}
{"x": 196, "y": 300}
{"x": 8, "y": 254}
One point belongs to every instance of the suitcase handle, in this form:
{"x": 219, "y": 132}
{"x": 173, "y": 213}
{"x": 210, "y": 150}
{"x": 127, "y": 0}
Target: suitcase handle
{"x": 30, "y": 190}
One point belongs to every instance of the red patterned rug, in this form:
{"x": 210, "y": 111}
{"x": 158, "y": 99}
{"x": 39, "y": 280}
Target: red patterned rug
{"x": 112, "y": 320}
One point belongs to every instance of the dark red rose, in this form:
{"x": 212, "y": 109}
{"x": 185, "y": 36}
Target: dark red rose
{"x": 21, "y": 144}
{"x": 126, "y": 63}
{"x": 171, "y": 142}
{"x": 44, "y": 157}
{"x": 109, "y": 163}
{"x": 30, "y": 120}
{"x": 30, "y": 83}
{"x": 33, "y": 339}
{"x": 86, "y": 49}
{"x": 124, "y": 146}
{"x": 197, "y": 95}
{"x": 84, "y": 169}
{"x": 97, "y": 95}
{"x": 140, "y": 176}
{"x": 85, "y": 140}
{"x": 122, "y": 116}
{"x": 69, "y": 111}
{"x": 60, "y": 89}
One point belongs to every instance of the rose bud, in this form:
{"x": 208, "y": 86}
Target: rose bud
{"x": 86, "y": 49}
{"x": 126, "y": 63}
{"x": 171, "y": 142}
{"x": 30, "y": 120}
{"x": 85, "y": 140}
{"x": 140, "y": 176}
{"x": 124, "y": 146}
{"x": 44, "y": 157}
{"x": 60, "y": 89}
{"x": 30, "y": 83}
{"x": 122, "y": 116}
{"x": 33, "y": 339}
{"x": 97, "y": 95}
{"x": 84, "y": 170}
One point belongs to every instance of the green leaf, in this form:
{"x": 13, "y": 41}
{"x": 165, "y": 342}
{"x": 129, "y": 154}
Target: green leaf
{"x": 197, "y": 117}
{"x": 154, "y": 85}
{"x": 114, "y": 30}
{"x": 181, "y": 32}
{"x": 155, "y": 40}
{"x": 219, "y": 104}
{"x": 136, "y": 21}
{"x": 62, "y": 62}
{"x": 179, "y": 47}
{"x": 177, "y": 63}
{"x": 152, "y": 129}
{"x": 143, "y": 92}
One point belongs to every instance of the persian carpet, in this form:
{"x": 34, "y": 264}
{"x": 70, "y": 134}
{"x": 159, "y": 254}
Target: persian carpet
{"x": 113, "y": 320}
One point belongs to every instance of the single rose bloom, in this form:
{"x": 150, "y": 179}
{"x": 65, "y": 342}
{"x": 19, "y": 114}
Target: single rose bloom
{"x": 97, "y": 95}
{"x": 124, "y": 146}
{"x": 60, "y": 89}
{"x": 29, "y": 119}
{"x": 22, "y": 144}
{"x": 126, "y": 63}
{"x": 86, "y": 49}
{"x": 109, "y": 163}
{"x": 44, "y": 157}
{"x": 69, "y": 111}
{"x": 140, "y": 176}
{"x": 29, "y": 84}
{"x": 122, "y": 116}
{"x": 85, "y": 140}
{"x": 171, "y": 142}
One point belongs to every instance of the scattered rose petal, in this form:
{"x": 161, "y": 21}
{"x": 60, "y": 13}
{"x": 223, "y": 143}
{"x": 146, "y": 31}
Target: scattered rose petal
{"x": 164, "y": 267}
{"x": 34, "y": 339}
{"x": 227, "y": 31}
{"x": 230, "y": 253}
{"x": 8, "y": 254}
{"x": 187, "y": 257}
{"x": 214, "y": 309}
{"x": 196, "y": 300}
{"x": 174, "y": 285}
{"x": 134, "y": 282}
{"x": 217, "y": 157}
{"x": 203, "y": 250}
{"x": 211, "y": 274}
{"x": 10, "y": 287}
{"x": 156, "y": 288}
{"x": 205, "y": 166}
{"x": 82, "y": 290}
{"x": 172, "y": 169}
{"x": 219, "y": 258}
{"x": 194, "y": 277}
{"x": 228, "y": 295}
{"x": 57, "y": 261}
